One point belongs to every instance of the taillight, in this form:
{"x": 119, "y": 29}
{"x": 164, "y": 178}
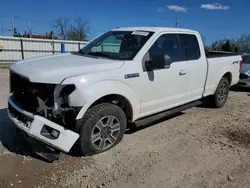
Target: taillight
{"x": 240, "y": 65}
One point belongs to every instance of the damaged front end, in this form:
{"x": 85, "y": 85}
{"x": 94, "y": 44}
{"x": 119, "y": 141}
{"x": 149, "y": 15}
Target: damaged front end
{"x": 43, "y": 112}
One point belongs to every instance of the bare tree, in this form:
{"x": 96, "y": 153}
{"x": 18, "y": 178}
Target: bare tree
{"x": 241, "y": 44}
{"x": 79, "y": 30}
{"x": 67, "y": 31}
{"x": 62, "y": 28}
{"x": 217, "y": 45}
{"x": 227, "y": 46}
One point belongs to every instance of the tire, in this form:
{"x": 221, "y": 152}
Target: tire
{"x": 219, "y": 99}
{"x": 96, "y": 132}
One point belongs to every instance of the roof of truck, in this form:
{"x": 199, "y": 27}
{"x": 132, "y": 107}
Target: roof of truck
{"x": 153, "y": 29}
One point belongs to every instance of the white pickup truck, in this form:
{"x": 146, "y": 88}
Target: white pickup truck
{"x": 126, "y": 75}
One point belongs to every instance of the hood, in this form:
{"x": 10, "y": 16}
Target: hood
{"x": 245, "y": 68}
{"x": 55, "y": 68}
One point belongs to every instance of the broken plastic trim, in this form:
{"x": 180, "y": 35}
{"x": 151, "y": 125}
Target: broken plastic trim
{"x": 67, "y": 90}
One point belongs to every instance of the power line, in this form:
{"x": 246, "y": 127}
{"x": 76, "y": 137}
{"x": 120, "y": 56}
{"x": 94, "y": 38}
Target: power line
{"x": 35, "y": 21}
{"x": 29, "y": 21}
{"x": 21, "y": 18}
{"x": 24, "y": 19}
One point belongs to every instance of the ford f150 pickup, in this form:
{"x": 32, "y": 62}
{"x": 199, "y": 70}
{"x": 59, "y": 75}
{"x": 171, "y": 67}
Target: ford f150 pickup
{"x": 126, "y": 75}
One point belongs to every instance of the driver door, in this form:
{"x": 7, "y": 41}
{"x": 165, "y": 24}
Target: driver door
{"x": 164, "y": 88}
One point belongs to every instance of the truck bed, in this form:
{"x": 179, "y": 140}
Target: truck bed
{"x": 218, "y": 65}
{"x": 216, "y": 54}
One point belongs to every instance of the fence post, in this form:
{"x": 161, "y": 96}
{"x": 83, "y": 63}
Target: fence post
{"x": 22, "y": 51}
{"x": 53, "y": 47}
{"x": 79, "y": 46}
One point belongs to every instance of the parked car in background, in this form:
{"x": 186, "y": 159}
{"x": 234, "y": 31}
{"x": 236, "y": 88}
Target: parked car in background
{"x": 245, "y": 71}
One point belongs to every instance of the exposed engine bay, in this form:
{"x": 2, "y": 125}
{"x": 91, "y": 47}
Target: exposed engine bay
{"x": 47, "y": 100}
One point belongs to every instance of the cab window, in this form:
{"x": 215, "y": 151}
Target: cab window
{"x": 167, "y": 44}
{"x": 191, "y": 47}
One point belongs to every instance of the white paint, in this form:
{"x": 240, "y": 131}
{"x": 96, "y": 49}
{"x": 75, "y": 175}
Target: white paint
{"x": 55, "y": 68}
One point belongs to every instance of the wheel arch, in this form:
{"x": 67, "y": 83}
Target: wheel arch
{"x": 228, "y": 76}
{"x": 116, "y": 93}
{"x": 118, "y": 100}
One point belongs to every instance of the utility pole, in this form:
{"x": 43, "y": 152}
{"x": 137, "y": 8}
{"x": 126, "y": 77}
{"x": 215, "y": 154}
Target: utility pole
{"x": 176, "y": 22}
{"x": 12, "y": 22}
{"x": 29, "y": 30}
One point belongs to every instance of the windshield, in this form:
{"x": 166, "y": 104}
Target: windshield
{"x": 246, "y": 59}
{"x": 119, "y": 45}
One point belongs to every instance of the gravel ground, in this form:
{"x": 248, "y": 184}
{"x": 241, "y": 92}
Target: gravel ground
{"x": 200, "y": 147}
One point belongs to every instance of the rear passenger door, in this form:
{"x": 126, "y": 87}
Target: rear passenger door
{"x": 196, "y": 66}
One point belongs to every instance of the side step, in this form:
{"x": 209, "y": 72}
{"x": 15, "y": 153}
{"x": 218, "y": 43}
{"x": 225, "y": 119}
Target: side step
{"x": 150, "y": 119}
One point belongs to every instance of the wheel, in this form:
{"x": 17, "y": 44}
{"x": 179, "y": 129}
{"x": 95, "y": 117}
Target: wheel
{"x": 219, "y": 99}
{"x": 101, "y": 128}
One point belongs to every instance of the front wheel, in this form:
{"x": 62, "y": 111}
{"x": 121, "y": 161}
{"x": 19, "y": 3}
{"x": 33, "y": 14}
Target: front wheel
{"x": 219, "y": 99}
{"x": 101, "y": 128}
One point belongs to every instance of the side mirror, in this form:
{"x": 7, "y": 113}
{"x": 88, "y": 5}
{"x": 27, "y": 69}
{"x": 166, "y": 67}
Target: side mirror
{"x": 159, "y": 62}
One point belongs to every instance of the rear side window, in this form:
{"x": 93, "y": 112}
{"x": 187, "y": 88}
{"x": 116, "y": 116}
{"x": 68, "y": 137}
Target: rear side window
{"x": 167, "y": 44}
{"x": 191, "y": 47}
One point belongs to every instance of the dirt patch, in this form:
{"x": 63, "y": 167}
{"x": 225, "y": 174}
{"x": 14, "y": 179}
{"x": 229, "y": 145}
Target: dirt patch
{"x": 24, "y": 171}
{"x": 240, "y": 137}
{"x": 202, "y": 147}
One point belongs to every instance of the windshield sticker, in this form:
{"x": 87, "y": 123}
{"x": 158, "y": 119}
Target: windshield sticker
{"x": 142, "y": 33}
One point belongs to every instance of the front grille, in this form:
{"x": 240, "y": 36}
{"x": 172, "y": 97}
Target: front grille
{"x": 19, "y": 116}
{"x": 26, "y": 93}
{"x": 18, "y": 83}
{"x": 19, "y": 86}
{"x": 27, "y": 101}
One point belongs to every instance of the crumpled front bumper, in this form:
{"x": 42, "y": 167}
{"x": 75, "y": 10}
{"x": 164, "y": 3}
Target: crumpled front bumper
{"x": 34, "y": 126}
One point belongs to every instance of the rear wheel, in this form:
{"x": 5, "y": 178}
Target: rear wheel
{"x": 219, "y": 99}
{"x": 101, "y": 128}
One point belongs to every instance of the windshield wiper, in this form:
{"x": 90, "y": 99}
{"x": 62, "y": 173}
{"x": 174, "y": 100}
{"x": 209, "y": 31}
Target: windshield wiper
{"x": 99, "y": 54}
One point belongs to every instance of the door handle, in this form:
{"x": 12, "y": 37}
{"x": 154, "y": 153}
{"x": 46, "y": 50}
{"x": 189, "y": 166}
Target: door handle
{"x": 182, "y": 72}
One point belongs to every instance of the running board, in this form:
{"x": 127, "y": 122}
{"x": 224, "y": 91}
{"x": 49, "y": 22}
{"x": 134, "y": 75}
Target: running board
{"x": 150, "y": 119}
